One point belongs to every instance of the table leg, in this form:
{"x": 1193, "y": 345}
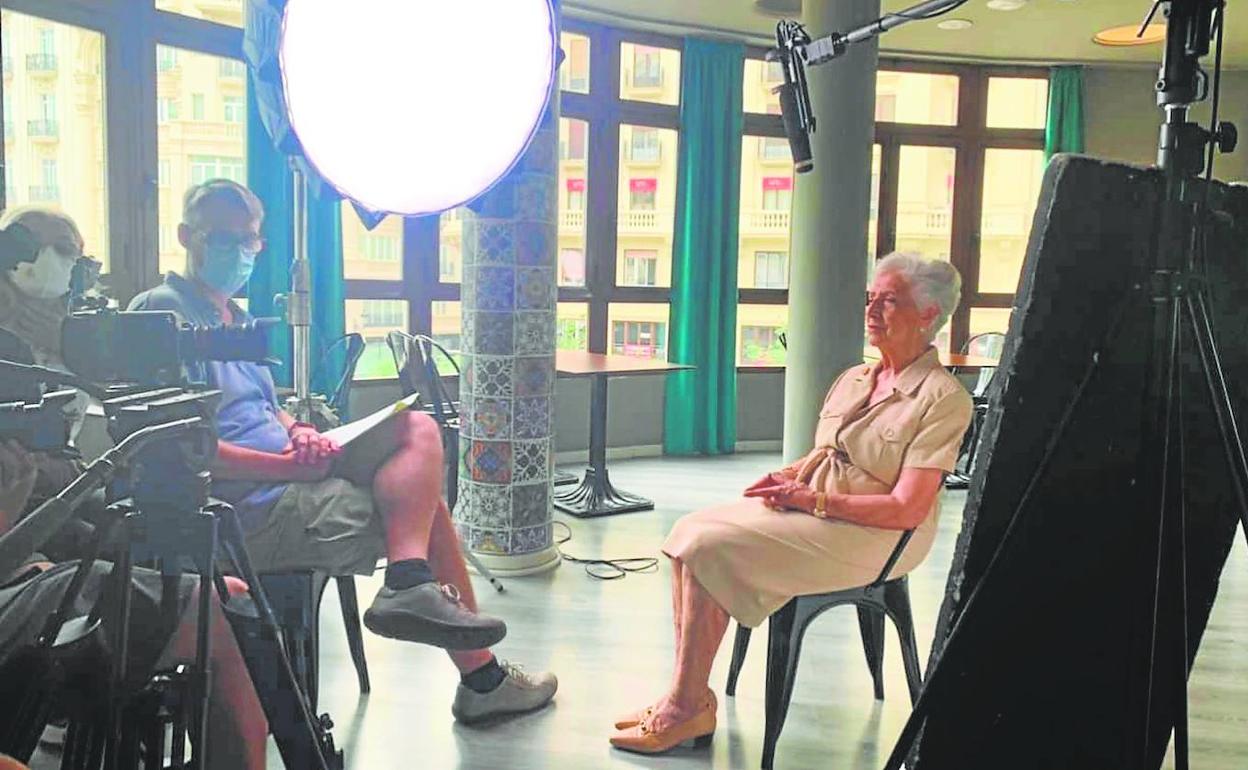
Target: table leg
{"x": 595, "y": 496}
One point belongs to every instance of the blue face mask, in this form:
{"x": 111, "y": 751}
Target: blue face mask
{"x": 226, "y": 268}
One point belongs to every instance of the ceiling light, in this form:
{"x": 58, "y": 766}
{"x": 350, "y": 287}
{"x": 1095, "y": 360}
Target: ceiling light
{"x": 1006, "y": 5}
{"x": 416, "y": 107}
{"x": 956, "y": 24}
{"x": 1129, "y": 35}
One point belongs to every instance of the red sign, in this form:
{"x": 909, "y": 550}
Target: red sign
{"x": 576, "y": 185}
{"x": 777, "y": 183}
{"x": 643, "y": 185}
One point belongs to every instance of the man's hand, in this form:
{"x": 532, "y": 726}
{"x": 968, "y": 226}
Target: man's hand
{"x": 310, "y": 447}
{"x": 302, "y": 470}
{"x": 787, "y": 494}
{"x": 17, "y": 479}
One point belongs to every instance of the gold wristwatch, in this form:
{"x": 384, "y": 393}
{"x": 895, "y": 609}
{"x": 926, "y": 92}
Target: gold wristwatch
{"x": 821, "y": 505}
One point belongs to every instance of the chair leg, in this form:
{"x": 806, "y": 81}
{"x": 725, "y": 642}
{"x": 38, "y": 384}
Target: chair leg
{"x": 740, "y": 645}
{"x": 871, "y": 624}
{"x": 481, "y": 569}
{"x": 784, "y": 644}
{"x": 897, "y": 599}
{"x": 350, "y": 605}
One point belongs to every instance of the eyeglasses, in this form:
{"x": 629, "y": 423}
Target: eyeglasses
{"x": 224, "y": 239}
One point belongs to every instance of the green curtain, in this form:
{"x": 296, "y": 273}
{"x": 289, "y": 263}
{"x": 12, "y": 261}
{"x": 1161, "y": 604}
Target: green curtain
{"x": 268, "y": 175}
{"x": 1064, "y": 130}
{"x": 700, "y": 414}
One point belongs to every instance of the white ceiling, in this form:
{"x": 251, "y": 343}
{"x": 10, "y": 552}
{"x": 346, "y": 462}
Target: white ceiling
{"x": 1043, "y": 31}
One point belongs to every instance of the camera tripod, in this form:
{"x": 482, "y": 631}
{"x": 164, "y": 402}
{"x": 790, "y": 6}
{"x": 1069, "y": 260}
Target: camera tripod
{"x": 169, "y": 519}
{"x": 1173, "y": 294}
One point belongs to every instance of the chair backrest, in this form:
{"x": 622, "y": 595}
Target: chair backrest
{"x": 415, "y": 358}
{"x": 354, "y": 345}
{"x": 894, "y": 557}
{"x": 987, "y": 345}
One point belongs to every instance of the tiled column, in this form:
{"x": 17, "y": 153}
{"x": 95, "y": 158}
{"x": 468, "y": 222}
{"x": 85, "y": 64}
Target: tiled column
{"x": 508, "y": 299}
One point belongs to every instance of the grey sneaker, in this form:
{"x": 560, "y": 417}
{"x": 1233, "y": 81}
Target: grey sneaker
{"x": 432, "y": 614}
{"x": 518, "y": 693}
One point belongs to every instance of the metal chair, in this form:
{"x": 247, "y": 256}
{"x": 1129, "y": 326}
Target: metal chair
{"x": 415, "y": 358}
{"x": 989, "y": 345}
{"x": 787, "y": 626}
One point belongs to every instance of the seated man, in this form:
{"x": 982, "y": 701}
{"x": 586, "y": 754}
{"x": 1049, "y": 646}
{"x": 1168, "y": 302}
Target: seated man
{"x": 236, "y": 723}
{"x": 298, "y": 510}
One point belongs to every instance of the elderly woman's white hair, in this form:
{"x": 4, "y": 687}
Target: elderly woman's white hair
{"x": 932, "y": 282}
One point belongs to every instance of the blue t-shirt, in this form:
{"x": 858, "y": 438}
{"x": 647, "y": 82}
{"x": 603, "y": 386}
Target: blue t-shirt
{"x": 247, "y": 416}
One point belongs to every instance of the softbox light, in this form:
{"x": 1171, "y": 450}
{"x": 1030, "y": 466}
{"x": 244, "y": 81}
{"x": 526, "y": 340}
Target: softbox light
{"x": 416, "y": 107}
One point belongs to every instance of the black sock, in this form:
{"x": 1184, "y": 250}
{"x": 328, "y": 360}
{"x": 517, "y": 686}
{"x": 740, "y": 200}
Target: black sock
{"x": 484, "y": 679}
{"x": 408, "y": 574}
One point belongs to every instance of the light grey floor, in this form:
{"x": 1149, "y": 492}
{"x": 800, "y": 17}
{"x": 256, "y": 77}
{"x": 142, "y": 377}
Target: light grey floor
{"x": 611, "y": 645}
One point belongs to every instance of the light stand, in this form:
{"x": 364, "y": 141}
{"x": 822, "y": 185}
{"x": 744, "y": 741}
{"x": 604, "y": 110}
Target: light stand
{"x": 303, "y": 406}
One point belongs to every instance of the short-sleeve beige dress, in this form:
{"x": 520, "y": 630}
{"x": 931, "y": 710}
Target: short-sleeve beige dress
{"x": 753, "y": 559}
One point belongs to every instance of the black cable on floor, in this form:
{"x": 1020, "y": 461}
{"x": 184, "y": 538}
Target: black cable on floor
{"x": 607, "y": 569}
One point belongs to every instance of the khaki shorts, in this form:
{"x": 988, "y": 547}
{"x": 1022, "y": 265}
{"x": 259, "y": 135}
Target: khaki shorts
{"x": 330, "y": 526}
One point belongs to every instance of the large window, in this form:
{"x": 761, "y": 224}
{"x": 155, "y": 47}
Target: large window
{"x": 55, "y": 148}
{"x": 197, "y": 145}
{"x": 955, "y": 174}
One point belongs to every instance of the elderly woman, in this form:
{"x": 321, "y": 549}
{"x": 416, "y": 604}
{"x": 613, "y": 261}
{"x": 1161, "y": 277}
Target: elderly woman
{"x": 887, "y": 434}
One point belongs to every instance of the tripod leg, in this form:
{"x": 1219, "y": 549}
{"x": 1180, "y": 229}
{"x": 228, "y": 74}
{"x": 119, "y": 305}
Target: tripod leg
{"x": 1215, "y": 380}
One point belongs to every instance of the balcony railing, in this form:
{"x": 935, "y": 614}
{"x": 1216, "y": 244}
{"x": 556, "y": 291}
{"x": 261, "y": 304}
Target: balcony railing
{"x": 572, "y": 221}
{"x": 647, "y": 79}
{"x": 644, "y": 153}
{"x": 923, "y": 221}
{"x": 41, "y": 62}
{"x": 44, "y": 194}
{"x": 1007, "y": 221}
{"x": 765, "y": 222}
{"x": 45, "y": 129}
{"x": 643, "y": 220}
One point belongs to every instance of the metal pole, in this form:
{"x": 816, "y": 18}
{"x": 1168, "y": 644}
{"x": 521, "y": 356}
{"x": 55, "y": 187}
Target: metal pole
{"x": 300, "y": 307}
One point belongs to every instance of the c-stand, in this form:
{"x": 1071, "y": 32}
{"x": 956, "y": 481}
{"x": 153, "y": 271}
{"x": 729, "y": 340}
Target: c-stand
{"x": 166, "y": 440}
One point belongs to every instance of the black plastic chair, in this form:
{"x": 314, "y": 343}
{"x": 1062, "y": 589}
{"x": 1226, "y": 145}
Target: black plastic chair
{"x": 415, "y": 359}
{"x": 787, "y": 626}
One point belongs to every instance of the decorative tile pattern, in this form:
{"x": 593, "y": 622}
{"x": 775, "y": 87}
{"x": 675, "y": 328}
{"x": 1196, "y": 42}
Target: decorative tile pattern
{"x": 491, "y": 418}
{"x": 509, "y": 300}
{"x": 535, "y": 244}
{"x": 493, "y": 333}
{"x": 494, "y": 288}
{"x": 535, "y": 288}
{"x": 530, "y": 461}
{"x": 535, "y": 376}
{"x": 535, "y": 332}
{"x": 531, "y": 417}
{"x": 491, "y": 376}
{"x": 530, "y": 505}
{"x": 490, "y": 462}
{"x": 531, "y": 540}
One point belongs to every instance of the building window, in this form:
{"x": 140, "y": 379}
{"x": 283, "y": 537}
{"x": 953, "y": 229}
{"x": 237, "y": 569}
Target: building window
{"x": 777, "y": 198}
{"x": 774, "y": 148}
{"x": 47, "y": 107}
{"x": 571, "y": 334}
{"x": 573, "y": 145}
{"x": 164, "y": 173}
{"x": 166, "y": 109}
{"x": 166, "y": 58}
{"x": 760, "y": 346}
{"x": 197, "y": 106}
{"x": 205, "y": 167}
{"x": 47, "y": 41}
{"x": 640, "y": 267}
{"x": 575, "y": 200}
{"x": 641, "y": 194}
{"x": 383, "y": 313}
{"x": 235, "y": 109}
{"x": 771, "y": 270}
{"x": 571, "y": 266}
{"x": 380, "y": 248}
{"x": 647, "y": 67}
{"x": 448, "y": 263}
{"x": 645, "y": 146}
{"x": 639, "y": 338}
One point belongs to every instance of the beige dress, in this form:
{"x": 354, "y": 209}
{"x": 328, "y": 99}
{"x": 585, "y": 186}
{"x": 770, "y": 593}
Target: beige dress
{"x": 753, "y": 559}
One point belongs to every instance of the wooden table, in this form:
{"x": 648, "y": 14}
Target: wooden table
{"x": 595, "y": 496}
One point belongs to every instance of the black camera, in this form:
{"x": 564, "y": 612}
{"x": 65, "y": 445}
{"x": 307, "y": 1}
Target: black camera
{"x": 153, "y": 347}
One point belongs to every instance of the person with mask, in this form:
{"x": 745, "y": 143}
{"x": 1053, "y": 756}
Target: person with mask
{"x": 297, "y": 511}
